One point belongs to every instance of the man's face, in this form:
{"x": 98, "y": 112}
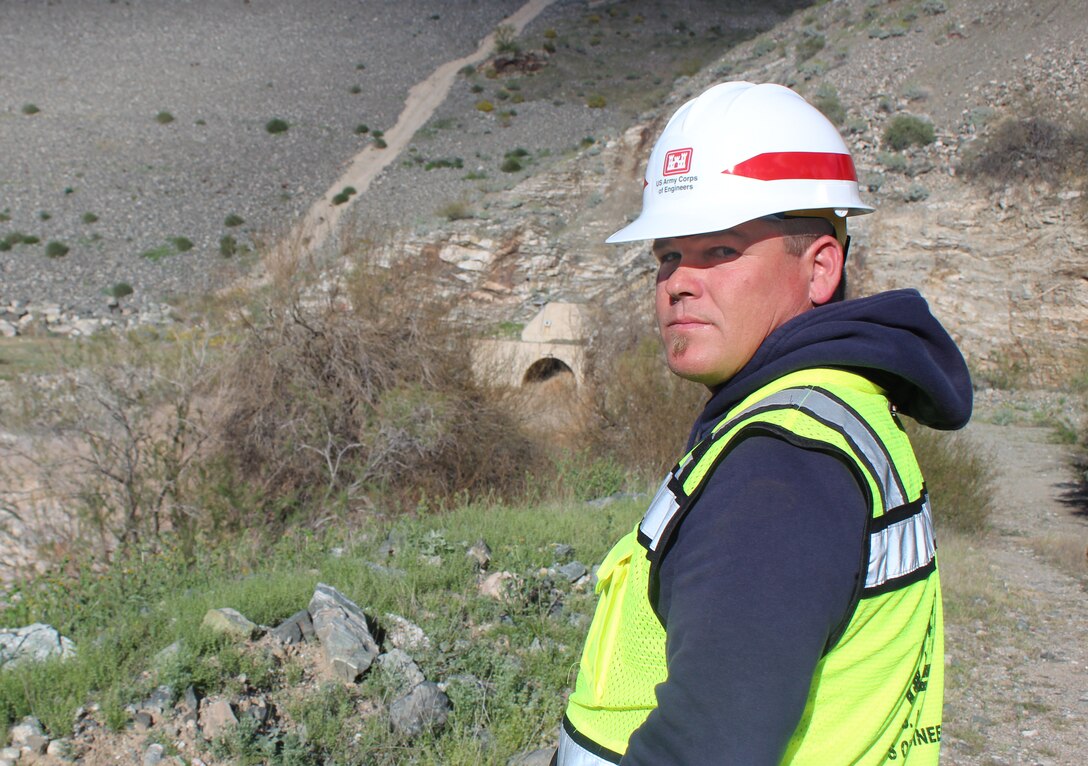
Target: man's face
{"x": 720, "y": 295}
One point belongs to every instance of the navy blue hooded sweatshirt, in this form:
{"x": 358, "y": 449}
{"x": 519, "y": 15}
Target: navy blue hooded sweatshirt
{"x": 765, "y": 568}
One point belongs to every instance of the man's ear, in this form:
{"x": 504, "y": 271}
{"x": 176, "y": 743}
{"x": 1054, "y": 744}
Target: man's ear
{"x": 826, "y": 257}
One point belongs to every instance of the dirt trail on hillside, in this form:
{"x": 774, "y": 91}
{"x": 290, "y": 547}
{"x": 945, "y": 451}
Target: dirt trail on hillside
{"x": 1017, "y": 667}
{"x": 321, "y": 222}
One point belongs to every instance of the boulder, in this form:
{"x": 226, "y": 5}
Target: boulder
{"x": 404, "y": 634}
{"x": 402, "y": 671}
{"x": 33, "y": 643}
{"x": 425, "y": 708}
{"x": 341, "y": 627}
{"x": 231, "y": 622}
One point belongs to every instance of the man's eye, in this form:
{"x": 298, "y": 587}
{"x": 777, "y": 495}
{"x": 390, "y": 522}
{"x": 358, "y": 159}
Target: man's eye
{"x": 667, "y": 257}
{"x": 723, "y": 252}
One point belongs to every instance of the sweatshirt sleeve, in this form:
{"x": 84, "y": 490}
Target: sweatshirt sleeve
{"x": 761, "y": 572}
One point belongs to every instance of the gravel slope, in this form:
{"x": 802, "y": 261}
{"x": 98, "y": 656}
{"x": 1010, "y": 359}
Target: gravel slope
{"x": 100, "y": 73}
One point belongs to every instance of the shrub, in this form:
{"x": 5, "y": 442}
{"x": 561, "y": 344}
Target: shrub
{"x": 355, "y": 90}
{"x": 228, "y": 246}
{"x": 484, "y": 106}
{"x": 362, "y": 129}
{"x": 276, "y": 125}
{"x": 30, "y": 109}
{"x": 905, "y": 130}
{"x": 916, "y": 193}
{"x": 346, "y": 396}
{"x": 827, "y": 101}
{"x": 763, "y": 46}
{"x": 233, "y": 219}
{"x": 164, "y": 118}
{"x": 56, "y": 249}
{"x": 157, "y": 254}
{"x": 812, "y": 42}
{"x": 182, "y": 244}
{"x": 892, "y": 161}
{"x": 506, "y": 40}
{"x": 89, "y": 218}
{"x": 379, "y": 142}
{"x": 44, "y": 215}
{"x": 444, "y": 162}
{"x": 958, "y": 476}
{"x": 596, "y": 101}
{"x": 1029, "y": 149}
{"x": 119, "y": 290}
{"x": 458, "y": 210}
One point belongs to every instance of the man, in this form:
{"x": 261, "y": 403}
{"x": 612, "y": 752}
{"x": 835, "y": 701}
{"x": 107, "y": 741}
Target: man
{"x": 779, "y": 602}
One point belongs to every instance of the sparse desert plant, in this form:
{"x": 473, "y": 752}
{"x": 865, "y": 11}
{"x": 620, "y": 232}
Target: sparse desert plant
{"x": 916, "y": 193}
{"x": 596, "y": 101}
{"x": 355, "y": 90}
{"x": 510, "y": 165}
{"x": 457, "y": 210}
{"x": 228, "y": 246}
{"x": 362, "y": 129}
{"x": 892, "y": 161}
{"x": 827, "y": 101}
{"x": 29, "y": 109}
{"x": 506, "y": 40}
{"x": 484, "y": 106}
{"x": 811, "y": 43}
{"x": 906, "y": 130}
{"x": 159, "y": 253}
{"x": 232, "y": 220}
{"x": 276, "y": 125}
{"x": 44, "y": 215}
{"x": 56, "y": 249}
{"x": 89, "y": 218}
{"x": 5, "y": 215}
{"x": 164, "y": 118}
{"x": 182, "y": 244}
{"x": 119, "y": 290}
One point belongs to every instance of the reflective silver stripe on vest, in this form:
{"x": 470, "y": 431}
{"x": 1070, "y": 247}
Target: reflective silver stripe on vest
{"x": 903, "y": 547}
{"x": 814, "y": 403}
{"x": 662, "y": 508}
{"x": 572, "y": 754}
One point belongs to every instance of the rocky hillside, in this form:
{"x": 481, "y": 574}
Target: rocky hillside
{"x": 1003, "y": 258}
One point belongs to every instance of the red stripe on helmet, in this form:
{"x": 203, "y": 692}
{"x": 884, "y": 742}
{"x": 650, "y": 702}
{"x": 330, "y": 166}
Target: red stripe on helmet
{"x": 778, "y": 166}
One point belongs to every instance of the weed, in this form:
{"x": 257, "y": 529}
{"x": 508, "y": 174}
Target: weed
{"x": 355, "y": 90}
{"x": 5, "y": 215}
{"x": 933, "y": 7}
{"x": 164, "y": 118}
{"x": 233, "y": 220}
{"x": 763, "y": 46}
{"x": 362, "y": 129}
{"x": 906, "y": 130}
{"x": 182, "y": 244}
{"x": 444, "y": 162}
{"x": 30, "y": 239}
{"x": 276, "y": 125}
{"x": 379, "y": 142}
{"x": 89, "y": 218}
{"x": 29, "y": 109}
{"x": 44, "y": 215}
{"x": 510, "y": 165}
{"x": 596, "y": 101}
{"x": 56, "y": 249}
{"x": 484, "y": 106}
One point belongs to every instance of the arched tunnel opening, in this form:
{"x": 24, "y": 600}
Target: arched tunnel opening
{"x": 546, "y": 369}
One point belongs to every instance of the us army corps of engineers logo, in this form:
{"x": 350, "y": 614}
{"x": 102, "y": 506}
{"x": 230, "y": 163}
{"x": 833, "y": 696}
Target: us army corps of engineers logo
{"x": 676, "y": 174}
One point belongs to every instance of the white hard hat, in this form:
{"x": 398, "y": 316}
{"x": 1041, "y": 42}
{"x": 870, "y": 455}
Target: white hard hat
{"x": 739, "y": 152}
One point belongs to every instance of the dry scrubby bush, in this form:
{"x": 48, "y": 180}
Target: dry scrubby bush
{"x": 958, "y": 476}
{"x": 643, "y": 412}
{"x": 364, "y": 394}
{"x": 1029, "y": 149}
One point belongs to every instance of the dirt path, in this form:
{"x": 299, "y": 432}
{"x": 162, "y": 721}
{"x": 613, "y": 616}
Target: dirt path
{"x": 1016, "y": 638}
{"x": 320, "y": 223}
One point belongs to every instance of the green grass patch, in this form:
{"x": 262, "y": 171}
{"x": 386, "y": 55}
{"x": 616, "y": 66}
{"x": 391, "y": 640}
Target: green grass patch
{"x": 156, "y": 254}
{"x": 276, "y": 126}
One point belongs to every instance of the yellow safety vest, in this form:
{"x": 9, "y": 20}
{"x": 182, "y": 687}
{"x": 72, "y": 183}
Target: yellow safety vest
{"x": 877, "y": 692}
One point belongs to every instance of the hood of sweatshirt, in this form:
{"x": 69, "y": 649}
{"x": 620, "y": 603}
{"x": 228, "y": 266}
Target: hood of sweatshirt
{"x": 890, "y": 338}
